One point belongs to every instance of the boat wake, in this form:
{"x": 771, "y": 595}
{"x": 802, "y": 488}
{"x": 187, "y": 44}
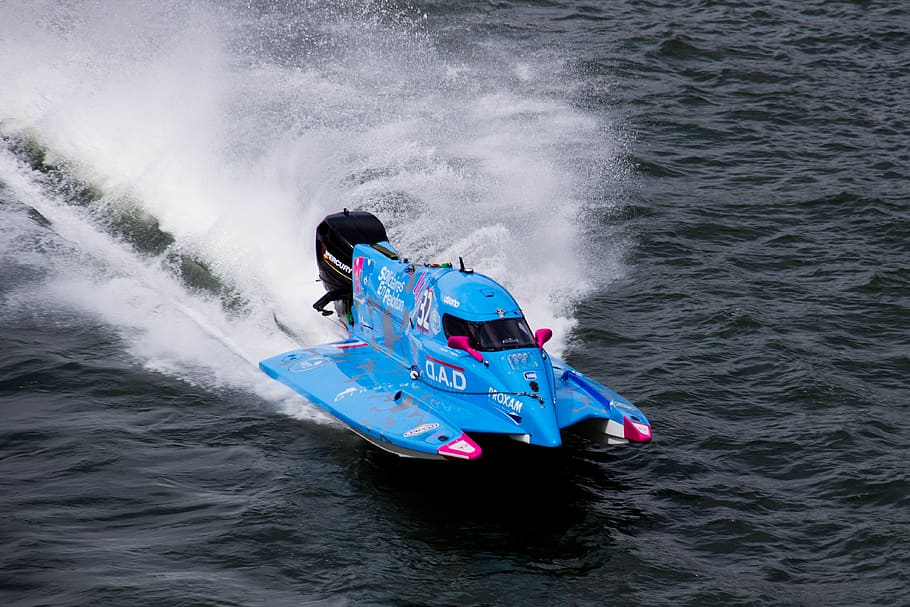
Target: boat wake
{"x": 180, "y": 158}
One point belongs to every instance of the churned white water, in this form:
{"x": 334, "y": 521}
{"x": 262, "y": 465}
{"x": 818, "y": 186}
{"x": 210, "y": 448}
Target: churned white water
{"x": 238, "y": 131}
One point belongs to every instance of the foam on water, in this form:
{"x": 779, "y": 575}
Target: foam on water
{"x": 169, "y": 329}
{"x": 238, "y": 130}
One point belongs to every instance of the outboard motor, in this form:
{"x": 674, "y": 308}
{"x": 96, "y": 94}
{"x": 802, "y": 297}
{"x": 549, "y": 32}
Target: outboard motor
{"x": 336, "y": 236}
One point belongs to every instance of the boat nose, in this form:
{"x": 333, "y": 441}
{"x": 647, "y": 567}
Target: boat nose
{"x": 545, "y": 429}
{"x": 541, "y": 415}
{"x": 546, "y": 439}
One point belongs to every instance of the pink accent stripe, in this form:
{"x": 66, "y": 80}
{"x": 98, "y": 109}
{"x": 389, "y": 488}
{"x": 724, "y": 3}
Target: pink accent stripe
{"x": 421, "y": 281}
{"x": 358, "y": 268}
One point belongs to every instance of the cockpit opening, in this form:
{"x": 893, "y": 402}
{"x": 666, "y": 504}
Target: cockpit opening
{"x": 493, "y": 335}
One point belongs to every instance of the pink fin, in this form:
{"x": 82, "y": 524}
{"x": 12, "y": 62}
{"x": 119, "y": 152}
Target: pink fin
{"x": 462, "y": 448}
{"x": 636, "y": 431}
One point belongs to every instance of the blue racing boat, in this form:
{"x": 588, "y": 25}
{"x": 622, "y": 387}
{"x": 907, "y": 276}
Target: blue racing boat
{"x": 438, "y": 356}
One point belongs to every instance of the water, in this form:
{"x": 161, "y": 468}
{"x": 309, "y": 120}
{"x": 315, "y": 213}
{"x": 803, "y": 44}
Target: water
{"x": 707, "y": 201}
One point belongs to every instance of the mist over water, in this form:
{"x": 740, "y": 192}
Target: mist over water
{"x": 237, "y": 128}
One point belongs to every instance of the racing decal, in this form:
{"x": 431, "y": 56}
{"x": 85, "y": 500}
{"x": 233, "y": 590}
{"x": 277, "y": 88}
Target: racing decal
{"x": 509, "y": 402}
{"x": 444, "y": 373}
{"x": 336, "y": 263}
{"x": 366, "y": 268}
{"x": 462, "y": 447}
{"x": 522, "y": 360}
{"x": 356, "y": 344}
{"x": 308, "y": 363}
{"x": 421, "y": 283}
{"x": 643, "y": 429}
{"x": 390, "y": 289}
{"x": 358, "y": 270}
{"x": 344, "y": 393}
{"x": 635, "y": 430}
{"x": 451, "y": 301}
{"x": 424, "y": 311}
{"x": 421, "y": 429}
{"x": 530, "y": 375}
{"x": 289, "y": 358}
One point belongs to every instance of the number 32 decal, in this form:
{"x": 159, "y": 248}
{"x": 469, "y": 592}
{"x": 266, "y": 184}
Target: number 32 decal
{"x": 424, "y": 310}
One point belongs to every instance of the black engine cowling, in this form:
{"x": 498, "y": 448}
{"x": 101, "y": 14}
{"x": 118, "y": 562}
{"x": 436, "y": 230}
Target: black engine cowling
{"x": 336, "y": 236}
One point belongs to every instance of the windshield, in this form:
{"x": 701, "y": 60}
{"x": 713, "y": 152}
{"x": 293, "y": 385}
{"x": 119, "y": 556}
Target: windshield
{"x": 500, "y": 334}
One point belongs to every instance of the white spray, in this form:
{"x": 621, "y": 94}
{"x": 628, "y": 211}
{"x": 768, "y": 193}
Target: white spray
{"x": 239, "y": 129}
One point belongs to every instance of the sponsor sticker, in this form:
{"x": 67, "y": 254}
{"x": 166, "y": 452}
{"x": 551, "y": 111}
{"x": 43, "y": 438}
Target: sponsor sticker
{"x": 306, "y": 364}
{"x": 390, "y": 289}
{"x": 421, "y": 429}
{"x": 451, "y": 301}
{"x": 509, "y": 402}
{"x": 462, "y": 446}
{"x": 644, "y": 429}
{"x": 444, "y": 373}
{"x": 336, "y": 262}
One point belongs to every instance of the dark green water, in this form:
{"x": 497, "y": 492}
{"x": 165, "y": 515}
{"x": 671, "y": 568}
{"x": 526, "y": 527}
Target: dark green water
{"x": 708, "y": 201}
